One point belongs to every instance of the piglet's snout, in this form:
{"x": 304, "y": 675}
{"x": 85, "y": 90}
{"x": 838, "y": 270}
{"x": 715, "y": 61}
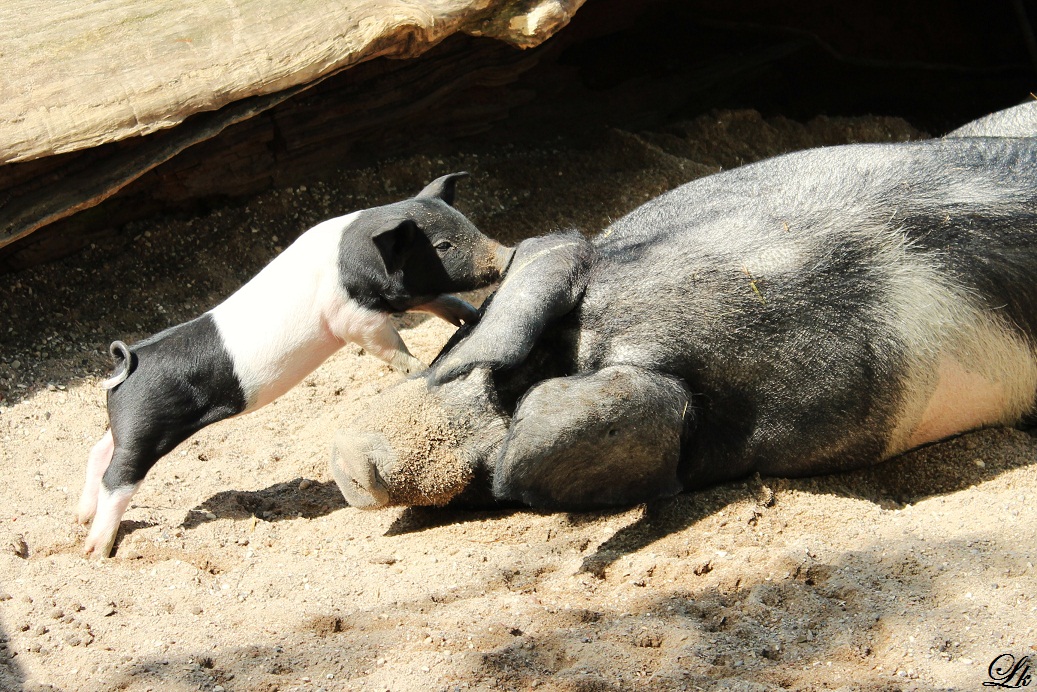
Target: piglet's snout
{"x": 355, "y": 459}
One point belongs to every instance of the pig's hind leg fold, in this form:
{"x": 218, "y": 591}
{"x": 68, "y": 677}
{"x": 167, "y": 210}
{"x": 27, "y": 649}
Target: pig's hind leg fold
{"x": 608, "y": 438}
{"x": 97, "y": 463}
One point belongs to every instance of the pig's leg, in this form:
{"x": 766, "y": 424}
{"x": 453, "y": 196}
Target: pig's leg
{"x": 545, "y": 281}
{"x": 141, "y": 437}
{"x": 111, "y": 505}
{"x": 612, "y": 437}
{"x": 97, "y": 464}
{"x": 134, "y": 453}
{"x": 453, "y": 310}
{"x": 382, "y": 340}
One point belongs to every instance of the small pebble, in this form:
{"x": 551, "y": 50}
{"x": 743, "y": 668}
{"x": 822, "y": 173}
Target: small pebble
{"x": 41, "y": 630}
{"x": 305, "y": 483}
{"x": 108, "y": 609}
{"x": 57, "y": 614}
{"x": 197, "y": 610}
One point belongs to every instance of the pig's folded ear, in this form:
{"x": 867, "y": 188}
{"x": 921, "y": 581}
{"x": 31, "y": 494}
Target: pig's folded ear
{"x": 394, "y": 241}
{"x": 442, "y": 188}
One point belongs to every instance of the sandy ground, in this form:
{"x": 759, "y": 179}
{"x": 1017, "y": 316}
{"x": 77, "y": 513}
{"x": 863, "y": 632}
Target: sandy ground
{"x": 240, "y": 567}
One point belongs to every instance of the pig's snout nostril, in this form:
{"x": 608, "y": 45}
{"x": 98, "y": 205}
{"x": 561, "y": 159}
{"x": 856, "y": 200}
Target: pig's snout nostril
{"x": 355, "y": 458}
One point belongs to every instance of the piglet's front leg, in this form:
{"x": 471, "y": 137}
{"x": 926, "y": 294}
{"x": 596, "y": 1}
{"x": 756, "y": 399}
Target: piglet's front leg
{"x": 453, "y": 310}
{"x": 383, "y": 341}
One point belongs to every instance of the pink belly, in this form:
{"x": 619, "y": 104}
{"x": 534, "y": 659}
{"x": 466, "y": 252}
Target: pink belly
{"x": 965, "y": 400}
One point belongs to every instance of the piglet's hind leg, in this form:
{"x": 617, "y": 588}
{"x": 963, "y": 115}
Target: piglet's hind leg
{"x": 129, "y": 464}
{"x": 97, "y": 463}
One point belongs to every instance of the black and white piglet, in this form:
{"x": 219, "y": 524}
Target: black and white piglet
{"x": 337, "y": 283}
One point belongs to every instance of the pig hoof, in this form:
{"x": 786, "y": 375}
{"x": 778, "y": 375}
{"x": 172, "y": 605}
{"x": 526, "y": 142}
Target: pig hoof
{"x": 354, "y": 464}
{"x": 407, "y": 364}
{"x": 85, "y": 512}
{"x": 99, "y": 547}
{"x": 415, "y": 366}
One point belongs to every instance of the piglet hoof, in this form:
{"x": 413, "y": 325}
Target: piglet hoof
{"x": 85, "y": 509}
{"x": 355, "y": 457}
{"x": 458, "y": 312}
{"x": 407, "y": 364}
{"x": 99, "y": 544}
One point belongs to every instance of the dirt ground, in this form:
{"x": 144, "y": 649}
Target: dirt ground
{"x": 240, "y": 567}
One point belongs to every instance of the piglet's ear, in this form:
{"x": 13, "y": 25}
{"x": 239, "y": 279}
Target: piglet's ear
{"x": 442, "y": 188}
{"x": 394, "y": 242}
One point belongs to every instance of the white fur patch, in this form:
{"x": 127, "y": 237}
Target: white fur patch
{"x": 968, "y": 368}
{"x": 981, "y": 189}
{"x": 773, "y": 260}
{"x": 286, "y": 321}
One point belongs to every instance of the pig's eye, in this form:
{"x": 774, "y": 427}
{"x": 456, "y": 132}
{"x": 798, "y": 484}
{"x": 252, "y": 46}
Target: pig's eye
{"x": 443, "y": 245}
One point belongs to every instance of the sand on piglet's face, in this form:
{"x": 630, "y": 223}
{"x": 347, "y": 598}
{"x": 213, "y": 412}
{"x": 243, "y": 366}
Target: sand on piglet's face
{"x": 430, "y": 467}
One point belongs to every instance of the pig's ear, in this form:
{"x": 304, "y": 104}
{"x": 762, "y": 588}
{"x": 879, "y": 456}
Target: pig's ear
{"x": 394, "y": 242}
{"x": 442, "y": 188}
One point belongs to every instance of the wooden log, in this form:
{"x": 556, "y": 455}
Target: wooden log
{"x": 252, "y": 144}
{"x": 78, "y": 75}
{"x": 96, "y": 96}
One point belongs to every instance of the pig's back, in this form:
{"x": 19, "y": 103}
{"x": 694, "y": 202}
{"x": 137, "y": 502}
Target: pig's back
{"x": 768, "y": 241}
{"x": 820, "y": 301}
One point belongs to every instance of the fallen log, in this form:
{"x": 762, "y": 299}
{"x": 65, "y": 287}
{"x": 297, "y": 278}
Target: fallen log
{"x": 99, "y": 95}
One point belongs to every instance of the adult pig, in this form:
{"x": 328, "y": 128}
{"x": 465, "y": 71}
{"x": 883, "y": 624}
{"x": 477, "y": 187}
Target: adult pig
{"x": 815, "y": 312}
{"x": 337, "y": 283}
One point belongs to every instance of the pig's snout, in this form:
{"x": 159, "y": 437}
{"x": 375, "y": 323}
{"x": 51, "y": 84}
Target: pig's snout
{"x": 355, "y": 458}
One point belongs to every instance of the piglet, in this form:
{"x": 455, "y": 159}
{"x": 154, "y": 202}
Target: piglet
{"x": 337, "y": 283}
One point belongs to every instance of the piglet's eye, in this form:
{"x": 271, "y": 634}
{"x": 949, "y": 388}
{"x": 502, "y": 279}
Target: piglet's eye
{"x": 443, "y": 245}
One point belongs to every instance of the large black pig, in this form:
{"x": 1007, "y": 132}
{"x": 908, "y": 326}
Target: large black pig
{"x": 815, "y": 312}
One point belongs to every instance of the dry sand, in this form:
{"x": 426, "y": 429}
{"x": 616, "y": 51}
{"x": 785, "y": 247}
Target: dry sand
{"x": 240, "y": 567}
